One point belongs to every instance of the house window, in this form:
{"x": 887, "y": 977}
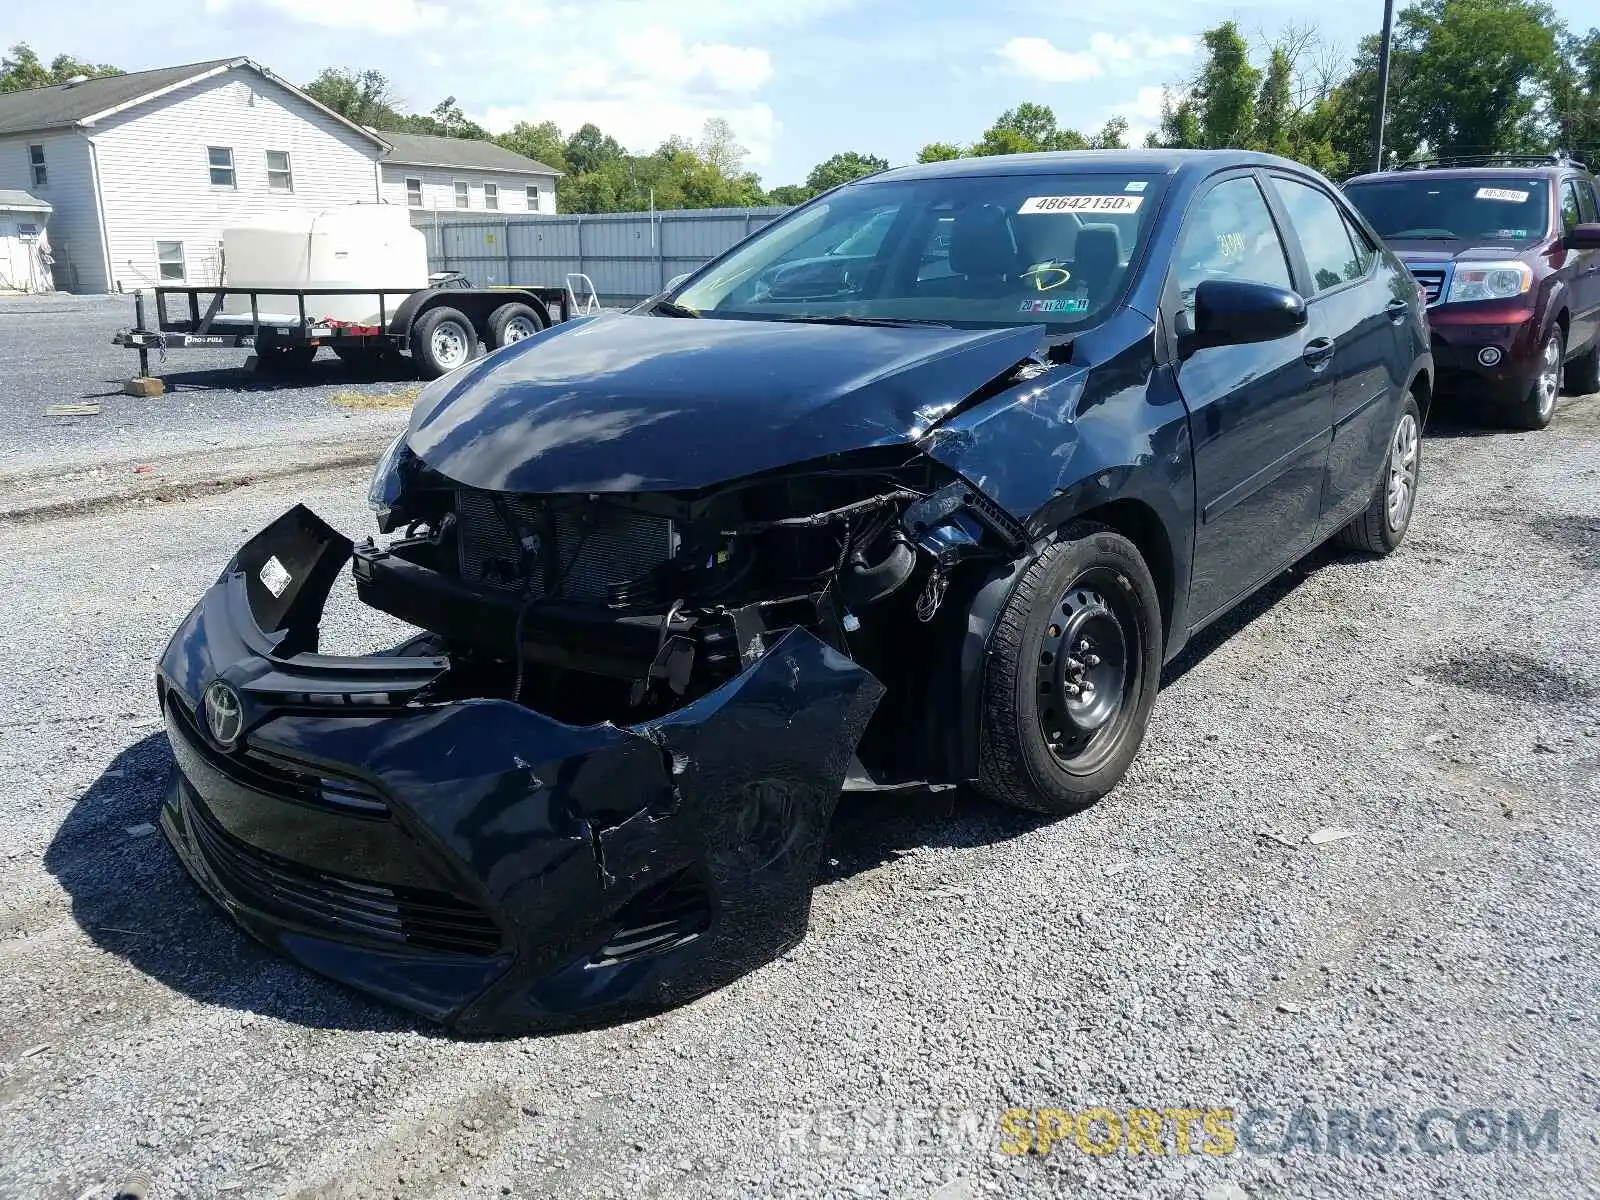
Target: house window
{"x": 462, "y": 200}
{"x": 169, "y": 261}
{"x": 220, "y": 159}
{"x": 413, "y": 193}
{"x": 533, "y": 197}
{"x": 36, "y": 161}
{"x": 491, "y": 196}
{"x": 279, "y": 177}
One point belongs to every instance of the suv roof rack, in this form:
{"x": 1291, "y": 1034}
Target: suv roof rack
{"x": 1557, "y": 159}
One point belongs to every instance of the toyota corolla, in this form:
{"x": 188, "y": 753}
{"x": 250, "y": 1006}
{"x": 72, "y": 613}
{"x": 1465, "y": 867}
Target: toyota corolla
{"x": 931, "y": 513}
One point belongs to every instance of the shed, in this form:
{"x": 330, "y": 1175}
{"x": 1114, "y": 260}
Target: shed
{"x": 24, "y": 245}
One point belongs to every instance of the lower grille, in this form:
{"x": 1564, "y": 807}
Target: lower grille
{"x": 658, "y": 919}
{"x": 597, "y": 545}
{"x": 1430, "y": 279}
{"x": 415, "y": 917}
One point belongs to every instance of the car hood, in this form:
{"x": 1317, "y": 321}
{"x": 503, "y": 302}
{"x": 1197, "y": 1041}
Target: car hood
{"x": 622, "y": 402}
{"x": 1437, "y": 252}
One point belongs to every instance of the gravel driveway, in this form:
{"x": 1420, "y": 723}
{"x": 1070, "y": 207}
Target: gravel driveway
{"x": 1180, "y": 946}
{"x": 56, "y": 349}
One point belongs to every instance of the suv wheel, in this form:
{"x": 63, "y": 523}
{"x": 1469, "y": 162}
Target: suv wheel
{"x": 1074, "y": 664}
{"x": 1583, "y": 372}
{"x": 1381, "y": 527}
{"x": 1536, "y": 409}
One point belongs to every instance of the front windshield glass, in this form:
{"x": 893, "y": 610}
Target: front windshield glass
{"x": 1490, "y": 208}
{"x": 969, "y": 251}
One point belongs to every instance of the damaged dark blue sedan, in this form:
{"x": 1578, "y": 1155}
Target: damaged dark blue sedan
{"x": 920, "y": 485}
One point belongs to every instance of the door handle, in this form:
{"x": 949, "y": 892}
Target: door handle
{"x": 1318, "y": 353}
{"x": 1397, "y": 310}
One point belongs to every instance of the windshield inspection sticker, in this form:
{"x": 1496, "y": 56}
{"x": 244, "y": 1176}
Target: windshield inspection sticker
{"x": 1508, "y": 195}
{"x": 1066, "y": 304}
{"x": 1138, "y": 185}
{"x": 1077, "y": 204}
{"x": 275, "y": 576}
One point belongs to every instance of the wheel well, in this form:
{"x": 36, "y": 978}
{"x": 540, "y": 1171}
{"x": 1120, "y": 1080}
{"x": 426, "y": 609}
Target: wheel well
{"x": 1142, "y": 526}
{"x": 1564, "y": 319}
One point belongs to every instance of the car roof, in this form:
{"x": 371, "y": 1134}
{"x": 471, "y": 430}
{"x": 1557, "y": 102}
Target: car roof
{"x": 1151, "y": 162}
{"x": 1538, "y": 170}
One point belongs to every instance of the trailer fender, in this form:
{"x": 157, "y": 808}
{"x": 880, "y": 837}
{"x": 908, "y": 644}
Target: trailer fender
{"x": 476, "y": 304}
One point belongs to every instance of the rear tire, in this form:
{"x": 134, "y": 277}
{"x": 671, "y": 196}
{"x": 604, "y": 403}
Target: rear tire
{"x": 1085, "y": 612}
{"x": 1382, "y": 527}
{"x": 442, "y": 340}
{"x": 512, "y": 322}
{"x": 1536, "y": 409}
{"x": 1583, "y": 372}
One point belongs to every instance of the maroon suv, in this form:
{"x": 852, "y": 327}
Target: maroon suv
{"x": 1507, "y": 253}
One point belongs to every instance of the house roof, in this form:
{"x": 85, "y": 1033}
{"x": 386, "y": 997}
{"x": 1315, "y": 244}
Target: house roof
{"x": 425, "y": 150}
{"x": 17, "y": 200}
{"x": 64, "y": 105}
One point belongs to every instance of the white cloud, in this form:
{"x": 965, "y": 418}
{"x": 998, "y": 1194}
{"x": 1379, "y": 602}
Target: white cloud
{"x": 390, "y": 18}
{"x": 1106, "y": 54}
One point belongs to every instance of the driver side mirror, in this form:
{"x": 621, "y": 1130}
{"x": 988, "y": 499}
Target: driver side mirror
{"x": 1583, "y": 237}
{"x": 1233, "y": 312}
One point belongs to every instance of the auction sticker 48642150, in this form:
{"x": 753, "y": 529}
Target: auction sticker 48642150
{"x": 1078, "y": 204}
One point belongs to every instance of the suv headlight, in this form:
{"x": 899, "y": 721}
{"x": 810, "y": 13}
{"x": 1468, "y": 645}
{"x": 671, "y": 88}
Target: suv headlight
{"x": 1488, "y": 281}
{"x": 384, "y": 490}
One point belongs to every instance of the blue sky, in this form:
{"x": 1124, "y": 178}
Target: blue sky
{"x": 798, "y": 79}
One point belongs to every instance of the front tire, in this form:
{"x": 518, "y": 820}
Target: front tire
{"x": 442, "y": 340}
{"x": 1535, "y": 409}
{"x": 1074, "y": 665}
{"x": 1382, "y": 527}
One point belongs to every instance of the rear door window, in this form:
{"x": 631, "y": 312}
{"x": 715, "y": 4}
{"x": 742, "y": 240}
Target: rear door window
{"x": 1231, "y": 235}
{"x": 1323, "y": 232}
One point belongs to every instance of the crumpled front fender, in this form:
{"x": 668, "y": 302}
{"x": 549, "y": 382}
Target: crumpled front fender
{"x": 562, "y": 834}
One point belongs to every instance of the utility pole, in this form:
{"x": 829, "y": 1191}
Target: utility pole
{"x": 1383, "y": 84}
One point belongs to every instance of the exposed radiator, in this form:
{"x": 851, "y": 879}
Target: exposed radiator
{"x": 597, "y": 545}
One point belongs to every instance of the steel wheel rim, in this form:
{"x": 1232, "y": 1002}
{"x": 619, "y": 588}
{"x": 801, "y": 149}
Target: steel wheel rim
{"x": 449, "y": 345}
{"x": 1087, "y": 672}
{"x": 518, "y": 328}
{"x": 1404, "y": 456}
{"x": 1550, "y": 375}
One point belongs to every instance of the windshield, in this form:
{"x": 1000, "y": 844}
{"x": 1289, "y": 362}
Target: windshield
{"x": 1498, "y": 208}
{"x": 969, "y": 251}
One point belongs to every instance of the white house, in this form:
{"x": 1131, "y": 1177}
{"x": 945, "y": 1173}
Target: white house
{"x": 145, "y": 170}
{"x": 459, "y": 174}
{"x": 24, "y": 244}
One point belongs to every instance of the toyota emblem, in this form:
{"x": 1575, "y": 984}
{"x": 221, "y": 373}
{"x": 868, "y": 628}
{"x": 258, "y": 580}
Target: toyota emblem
{"x": 224, "y": 713}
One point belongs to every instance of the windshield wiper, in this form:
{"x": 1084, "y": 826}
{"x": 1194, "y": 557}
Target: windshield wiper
{"x": 842, "y": 319}
{"x": 671, "y": 308}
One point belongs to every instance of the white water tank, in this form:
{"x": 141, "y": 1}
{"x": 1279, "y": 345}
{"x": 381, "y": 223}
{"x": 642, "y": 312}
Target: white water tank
{"x": 357, "y": 245}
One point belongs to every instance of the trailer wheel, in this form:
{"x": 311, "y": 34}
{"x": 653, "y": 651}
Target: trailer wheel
{"x": 442, "y": 340}
{"x": 513, "y": 322}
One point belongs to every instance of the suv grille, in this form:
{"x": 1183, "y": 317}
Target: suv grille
{"x": 1431, "y": 278}
{"x": 596, "y": 545}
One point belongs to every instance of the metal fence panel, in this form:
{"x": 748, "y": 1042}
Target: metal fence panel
{"x": 629, "y": 256}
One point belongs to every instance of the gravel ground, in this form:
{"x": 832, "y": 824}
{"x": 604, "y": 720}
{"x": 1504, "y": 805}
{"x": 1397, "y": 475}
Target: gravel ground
{"x": 56, "y": 349}
{"x": 1180, "y": 945}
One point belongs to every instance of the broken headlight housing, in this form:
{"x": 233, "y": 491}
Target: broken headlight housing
{"x": 383, "y": 492}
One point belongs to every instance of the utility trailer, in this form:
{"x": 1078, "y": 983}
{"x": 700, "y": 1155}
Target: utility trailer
{"x": 439, "y": 326}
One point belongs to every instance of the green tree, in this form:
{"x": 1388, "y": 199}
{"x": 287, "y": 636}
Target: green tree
{"x": 22, "y": 69}
{"x": 1113, "y": 135}
{"x": 446, "y": 120}
{"x": 364, "y": 97}
{"x": 842, "y": 168}
{"x": 938, "y": 152}
{"x": 1027, "y": 129}
{"x": 542, "y": 143}
{"x": 588, "y": 149}
{"x": 1575, "y": 97}
{"x": 1226, "y": 88}
{"x": 789, "y": 194}
{"x": 1477, "y": 73}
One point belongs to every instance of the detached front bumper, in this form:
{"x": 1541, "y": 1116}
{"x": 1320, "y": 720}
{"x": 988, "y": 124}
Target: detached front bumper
{"x": 476, "y": 861}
